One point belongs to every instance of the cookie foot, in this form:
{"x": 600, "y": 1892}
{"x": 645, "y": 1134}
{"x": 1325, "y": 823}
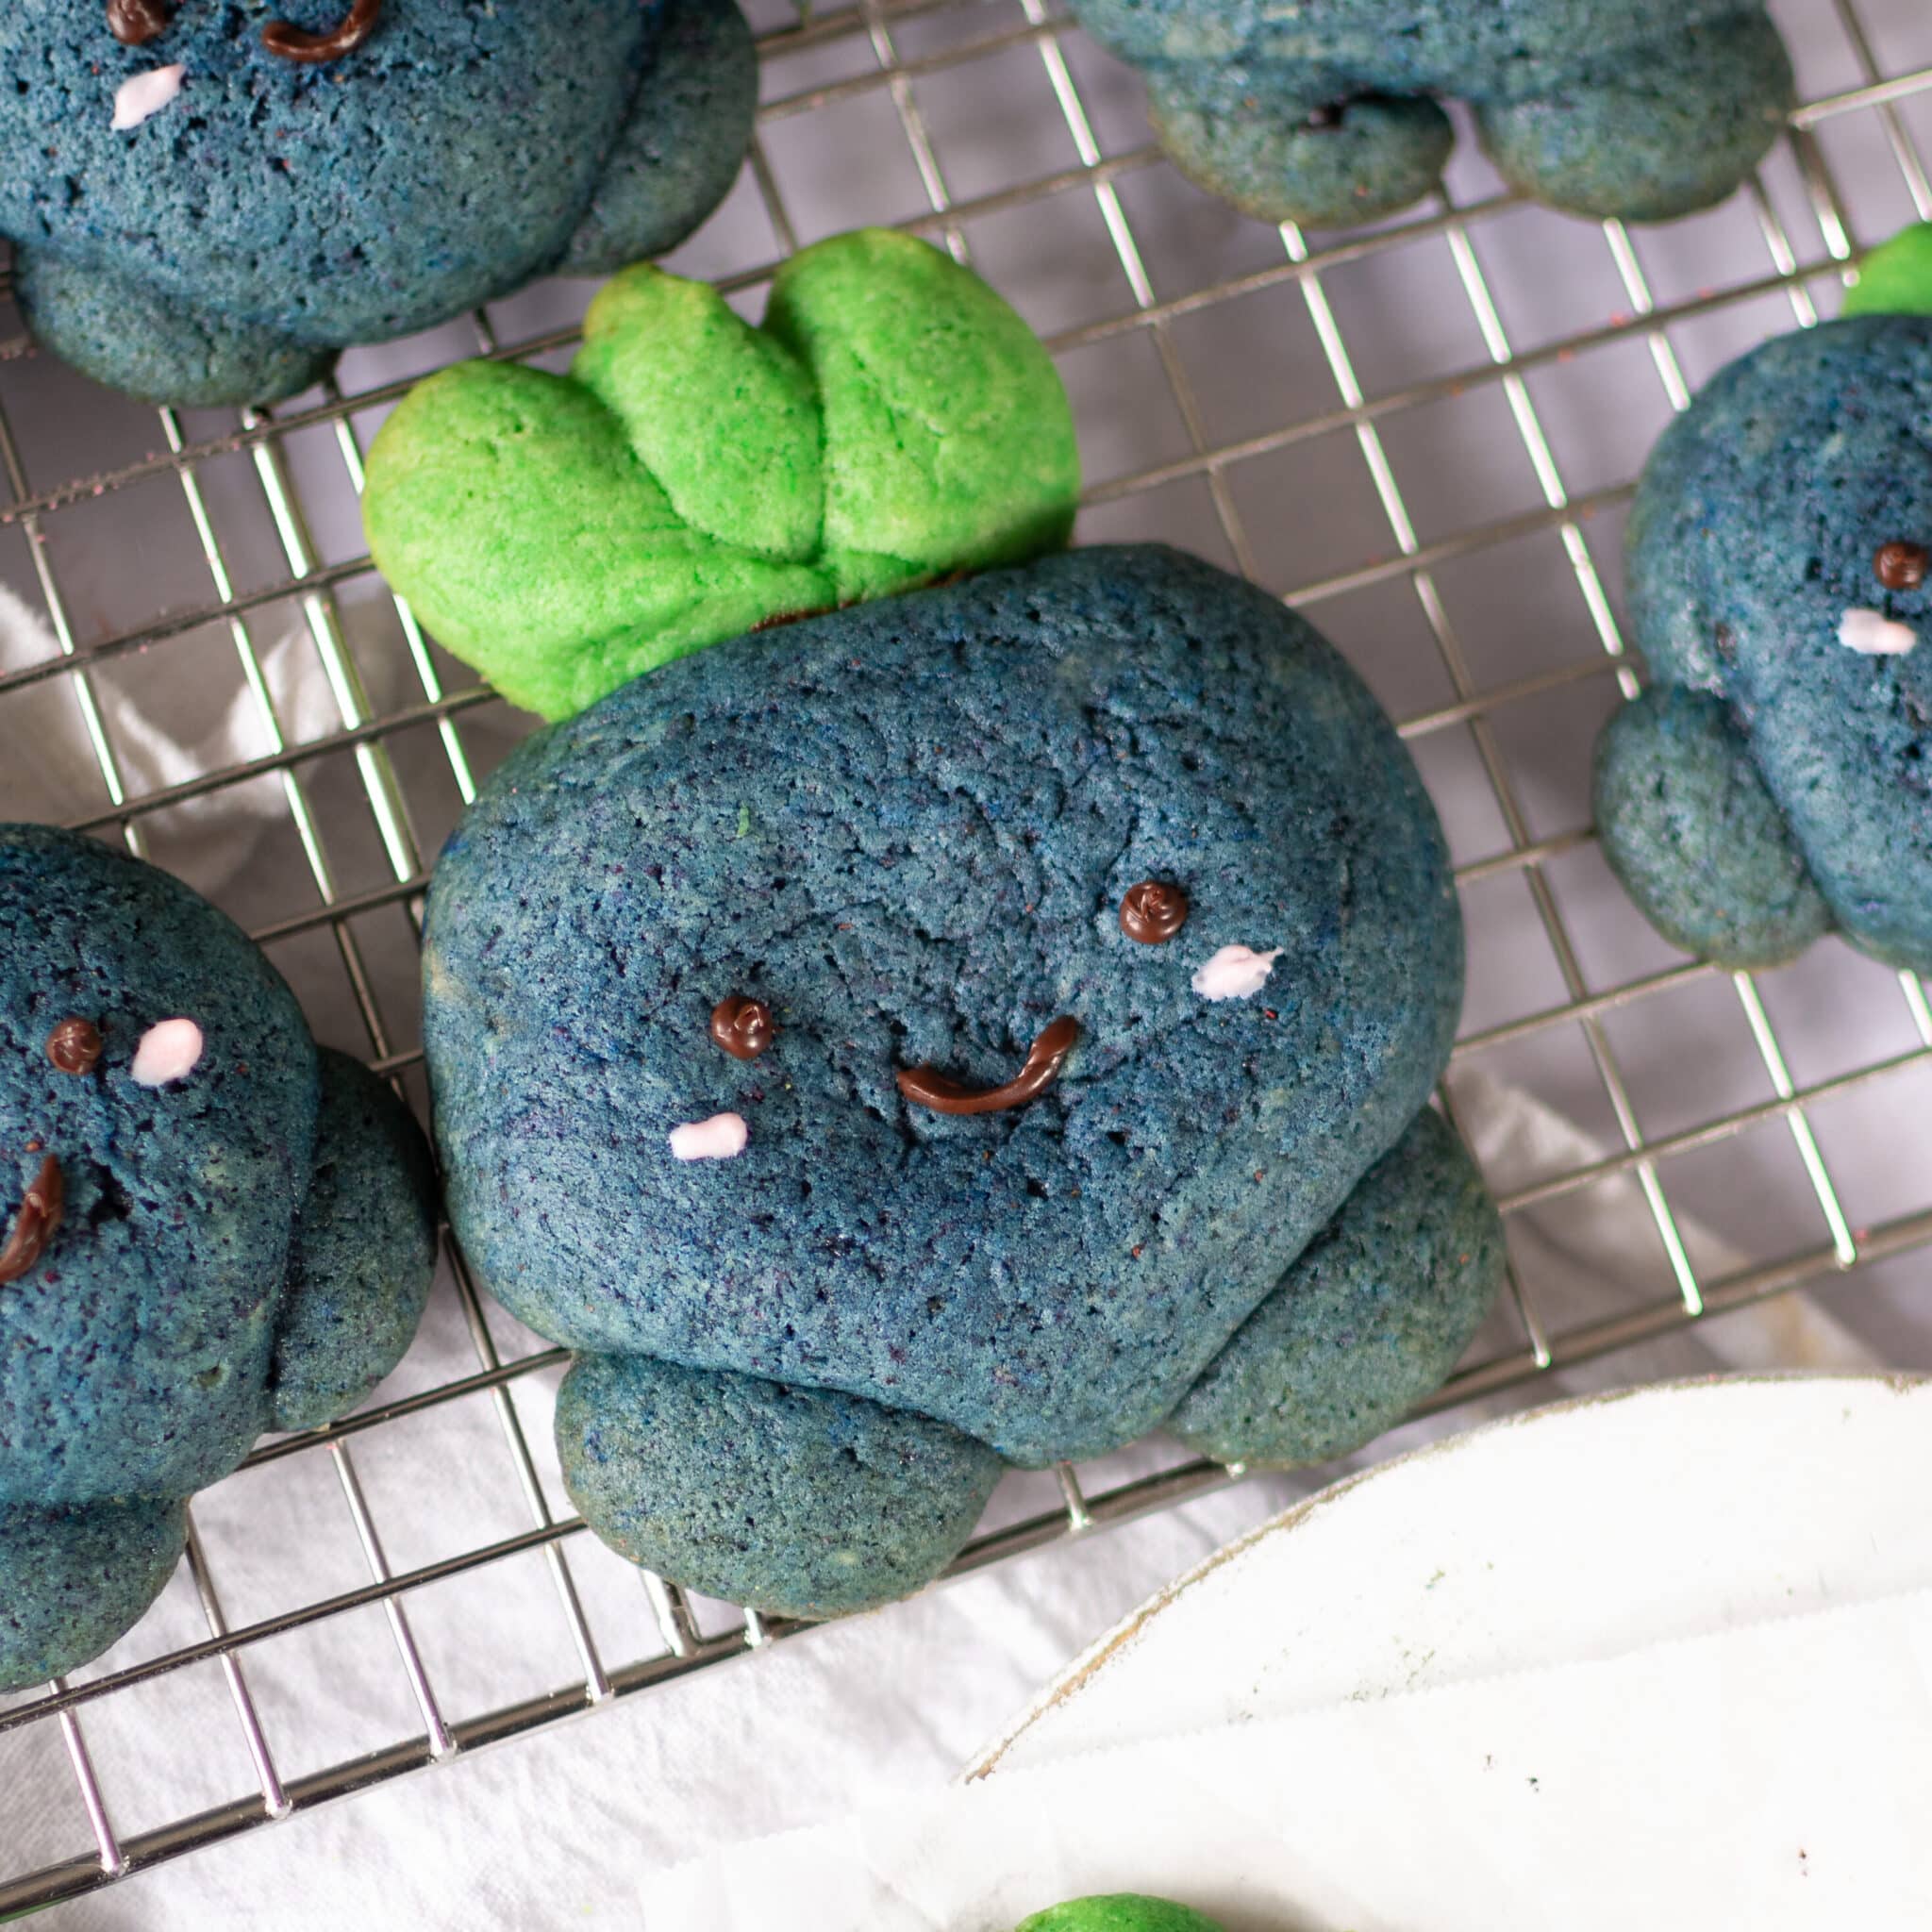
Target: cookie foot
{"x": 797, "y": 1501}
{"x": 1298, "y": 150}
{"x": 1370, "y": 1318}
{"x": 124, "y": 334}
{"x": 1650, "y": 143}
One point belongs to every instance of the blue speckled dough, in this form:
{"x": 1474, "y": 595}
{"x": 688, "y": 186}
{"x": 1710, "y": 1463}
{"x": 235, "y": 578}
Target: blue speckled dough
{"x": 1797, "y": 790}
{"x": 1325, "y": 112}
{"x": 137, "y": 1350}
{"x": 682, "y": 145}
{"x": 908, "y": 828}
{"x": 272, "y": 213}
{"x": 1690, "y": 826}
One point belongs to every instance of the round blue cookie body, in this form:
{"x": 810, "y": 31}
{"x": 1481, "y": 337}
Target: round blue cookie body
{"x": 1777, "y": 777}
{"x": 270, "y": 211}
{"x": 206, "y": 1230}
{"x": 908, "y": 828}
{"x": 1326, "y": 112}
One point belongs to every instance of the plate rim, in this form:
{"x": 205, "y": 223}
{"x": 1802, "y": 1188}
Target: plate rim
{"x": 1089, "y": 1663}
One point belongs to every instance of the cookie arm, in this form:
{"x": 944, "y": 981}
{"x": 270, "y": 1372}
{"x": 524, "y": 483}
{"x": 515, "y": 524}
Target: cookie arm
{"x": 365, "y": 1247}
{"x": 682, "y": 144}
{"x": 1695, "y": 837}
{"x": 1369, "y": 1319}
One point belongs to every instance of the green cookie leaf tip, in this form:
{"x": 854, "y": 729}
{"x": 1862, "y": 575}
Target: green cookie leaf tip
{"x": 892, "y": 422}
{"x": 1896, "y": 277}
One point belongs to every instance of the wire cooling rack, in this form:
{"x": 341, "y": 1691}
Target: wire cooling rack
{"x": 1423, "y": 434}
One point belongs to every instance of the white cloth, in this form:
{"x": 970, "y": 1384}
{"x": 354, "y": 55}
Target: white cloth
{"x": 51, "y": 774}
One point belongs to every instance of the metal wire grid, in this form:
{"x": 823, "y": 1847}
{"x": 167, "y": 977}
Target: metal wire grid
{"x": 366, "y": 734}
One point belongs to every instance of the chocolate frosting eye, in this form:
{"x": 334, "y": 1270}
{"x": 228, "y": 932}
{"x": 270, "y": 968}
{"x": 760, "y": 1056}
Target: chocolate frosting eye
{"x": 313, "y": 50}
{"x": 742, "y": 1027}
{"x": 75, "y": 1046}
{"x": 135, "y": 22}
{"x": 1902, "y": 566}
{"x": 1152, "y": 912}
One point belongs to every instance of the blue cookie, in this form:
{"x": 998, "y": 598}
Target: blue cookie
{"x": 1777, "y": 777}
{"x": 253, "y": 212}
{"x": 729, "y": 980}
{"x": 1326, "y": 112}
{"x": 206, "y": 1230}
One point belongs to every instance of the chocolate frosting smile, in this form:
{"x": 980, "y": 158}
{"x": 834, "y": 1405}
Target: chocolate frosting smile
{"x": 923, "y": 1087}
{"x": 34, "y": 1225}
{"x": 313, "y": 50}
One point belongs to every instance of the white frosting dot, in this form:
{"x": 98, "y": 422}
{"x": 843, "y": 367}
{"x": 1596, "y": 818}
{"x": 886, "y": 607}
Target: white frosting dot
{"x": 720, "y": 1138}
{"x": 169, "y": 1050}
{"x": 1872, "y": 634}
{"x": 142, "y": 94}
{"x": 1235, "y": 972}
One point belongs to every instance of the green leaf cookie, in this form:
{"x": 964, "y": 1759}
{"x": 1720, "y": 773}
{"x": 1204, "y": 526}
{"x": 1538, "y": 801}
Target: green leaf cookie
{"x": 893, "y": 421}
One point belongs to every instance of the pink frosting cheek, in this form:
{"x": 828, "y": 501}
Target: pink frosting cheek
{"x": 1235, "y": 972}
{"x": 168, "y": 1051}
{"x": 720, "y": 1138}
{"x": 1872, "y": 634}
{"x": 142, "y": 95}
